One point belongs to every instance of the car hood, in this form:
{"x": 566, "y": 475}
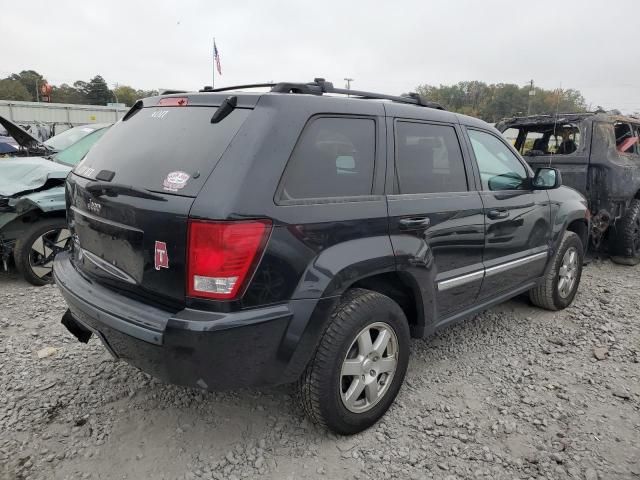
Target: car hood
{"x": 24, "y": 138}
{"x": 18, "y": 175}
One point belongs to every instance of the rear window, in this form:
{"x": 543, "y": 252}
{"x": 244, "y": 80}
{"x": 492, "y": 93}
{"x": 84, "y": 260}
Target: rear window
{"x": 73, "y": 154}
{"x": 170, "y": 150}
{"x": 69, "y": 137}
{"x": 334, "y": 157}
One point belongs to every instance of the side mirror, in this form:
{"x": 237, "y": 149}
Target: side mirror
{"x": 547, "y": 178}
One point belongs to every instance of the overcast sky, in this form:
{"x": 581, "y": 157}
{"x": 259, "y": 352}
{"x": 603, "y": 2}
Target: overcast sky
{"x": 391, "y": 46}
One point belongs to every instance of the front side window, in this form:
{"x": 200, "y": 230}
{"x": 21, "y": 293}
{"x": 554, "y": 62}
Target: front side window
{"x": 499, "y": 168}
{"x": 544, "y": 138}
{"x": 428, "y": 159}
{"x": 334, "y": 157}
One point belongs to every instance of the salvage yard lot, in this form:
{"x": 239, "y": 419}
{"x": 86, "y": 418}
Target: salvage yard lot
{"x": 515, "y": 392}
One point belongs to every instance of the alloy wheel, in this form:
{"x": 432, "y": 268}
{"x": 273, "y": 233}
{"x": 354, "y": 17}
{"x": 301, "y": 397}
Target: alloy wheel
{"x": 369, "y": 367}
{"x": 44, "y": 249}
{"x": 568, "y": 272}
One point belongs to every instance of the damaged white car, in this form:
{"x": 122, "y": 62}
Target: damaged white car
{"x": 32, "y": 206}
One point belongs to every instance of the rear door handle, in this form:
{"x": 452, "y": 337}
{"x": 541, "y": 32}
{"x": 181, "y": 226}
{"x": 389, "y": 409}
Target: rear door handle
{"x": 497, "y": 213}
{"x": 414, "y": 222}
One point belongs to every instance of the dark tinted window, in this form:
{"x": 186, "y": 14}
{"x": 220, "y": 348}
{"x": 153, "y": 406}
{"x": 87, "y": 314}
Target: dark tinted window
{"x": 334, "y": 157}
{"x": 428, "y": 159}
{"x": 155, "y": 142}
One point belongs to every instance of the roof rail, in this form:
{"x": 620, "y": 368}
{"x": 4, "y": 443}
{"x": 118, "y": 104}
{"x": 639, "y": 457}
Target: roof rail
{"x": 209, "y": 88}
{"x": 320, "y": 86}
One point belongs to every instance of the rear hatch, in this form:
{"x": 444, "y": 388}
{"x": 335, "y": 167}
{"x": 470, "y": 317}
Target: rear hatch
{"x": 129, "y": 199}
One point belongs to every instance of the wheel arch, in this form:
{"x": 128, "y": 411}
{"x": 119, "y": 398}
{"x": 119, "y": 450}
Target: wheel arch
{"x": 13, "y": 228}
{"x": 403, "y": 290}
{"x": 580, "y": 227}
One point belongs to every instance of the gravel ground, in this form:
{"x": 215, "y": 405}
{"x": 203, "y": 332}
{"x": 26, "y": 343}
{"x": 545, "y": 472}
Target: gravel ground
{"x": 513, "y": 393}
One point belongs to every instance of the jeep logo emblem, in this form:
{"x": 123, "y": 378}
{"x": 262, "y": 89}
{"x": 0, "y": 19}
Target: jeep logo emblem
{"x": 94, "y": 207}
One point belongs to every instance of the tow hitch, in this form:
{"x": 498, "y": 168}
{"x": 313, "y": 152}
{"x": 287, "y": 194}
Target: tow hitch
{"x": 78, "y": 330}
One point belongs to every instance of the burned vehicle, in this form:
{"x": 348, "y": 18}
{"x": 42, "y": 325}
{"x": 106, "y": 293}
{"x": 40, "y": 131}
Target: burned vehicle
{"x": 32, "y": 209}
{"x": 598, "y": 155}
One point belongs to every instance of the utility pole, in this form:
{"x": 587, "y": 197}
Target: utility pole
{"x": 532, "y": 92}
{"x": 348, "y": 80}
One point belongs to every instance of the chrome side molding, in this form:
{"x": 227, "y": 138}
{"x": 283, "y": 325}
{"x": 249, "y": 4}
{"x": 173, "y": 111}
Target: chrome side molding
{"x": 487, "y": 272}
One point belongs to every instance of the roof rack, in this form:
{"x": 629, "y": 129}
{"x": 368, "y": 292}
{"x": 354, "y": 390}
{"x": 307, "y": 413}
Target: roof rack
{"x": 320, "y": 86}
{"x": 209, "y": 88}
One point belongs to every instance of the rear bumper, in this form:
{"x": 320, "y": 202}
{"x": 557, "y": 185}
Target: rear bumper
{"x": 211, "y": 350}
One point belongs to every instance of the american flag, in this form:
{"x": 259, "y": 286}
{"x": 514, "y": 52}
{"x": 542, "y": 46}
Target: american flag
{"x": 216, "y": 57}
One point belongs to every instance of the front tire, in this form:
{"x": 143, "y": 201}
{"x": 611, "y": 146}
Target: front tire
{"x": 628, "y": 236}
{"x": 36, "y": 248}
{"x": 359, "y": 364}
{"x": 558, "y": 287}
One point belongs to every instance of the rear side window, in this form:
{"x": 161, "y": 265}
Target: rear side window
{"x": 428, "y": 159}
{"x": 626, "y": 138}
{"x": 334, "y": 157}
{"x": 164, "y": 149}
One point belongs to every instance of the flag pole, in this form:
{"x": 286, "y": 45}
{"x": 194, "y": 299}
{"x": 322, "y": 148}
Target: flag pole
{"x": 213, "y": 70}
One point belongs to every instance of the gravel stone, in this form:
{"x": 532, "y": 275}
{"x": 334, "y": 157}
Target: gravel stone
{"x": 513, "y": 393}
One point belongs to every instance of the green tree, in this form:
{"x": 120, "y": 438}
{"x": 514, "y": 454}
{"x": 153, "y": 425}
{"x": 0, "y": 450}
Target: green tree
{"x": 13, "y": 90}
{"x": 97, "y": 91}
{"x": 495, "y": 101}
{"x": 147, "y": 93}
{"x": 31, "y": 80}
{"x": 126, "y": 94}
{"x": 67, "y": 94}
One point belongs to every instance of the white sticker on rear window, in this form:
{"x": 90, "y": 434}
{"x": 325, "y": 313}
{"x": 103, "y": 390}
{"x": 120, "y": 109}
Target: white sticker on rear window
{"x": 159, "y": 113}
{"x": 175, "y": 181}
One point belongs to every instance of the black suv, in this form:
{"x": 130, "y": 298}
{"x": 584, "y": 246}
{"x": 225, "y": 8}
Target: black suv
{"x": 598, "y": 155}
{"x": 231, "y": 239}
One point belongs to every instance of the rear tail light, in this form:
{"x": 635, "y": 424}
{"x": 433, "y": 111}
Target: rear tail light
{"x": 222, "y": 256}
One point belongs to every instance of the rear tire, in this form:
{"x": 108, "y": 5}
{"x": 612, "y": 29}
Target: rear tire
{"x": 333, "y": 394}
{"x": 35, "y": 250}
{"x": 558, "y": 287}
{"x": 628, "y": 236}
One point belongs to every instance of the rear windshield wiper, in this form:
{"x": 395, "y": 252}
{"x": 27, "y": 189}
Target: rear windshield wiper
{"x": 115, "y": 189}
{"x": 227, "y": 106}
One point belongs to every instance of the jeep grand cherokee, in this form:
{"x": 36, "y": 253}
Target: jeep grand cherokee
{"x": 226, "y": 238}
